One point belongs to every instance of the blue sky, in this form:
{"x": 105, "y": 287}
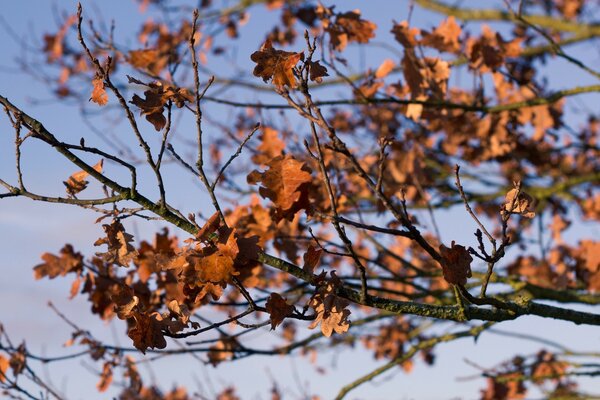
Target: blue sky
{"x": 27, "y": 229}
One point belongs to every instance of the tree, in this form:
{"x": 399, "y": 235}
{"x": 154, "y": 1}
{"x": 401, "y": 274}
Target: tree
{"x": 330, "y": 195}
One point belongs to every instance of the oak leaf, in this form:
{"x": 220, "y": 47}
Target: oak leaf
{"x": 156, "y": 98}
{"x": 54, "y": 266}
{"x": 331, "y": 310}
{"x": 285, "y": 183}
{"x": 276, "y": 65}
{"x": 99, "y": 95}
{"x": 312, "y": 258}
{"x": 120, "y": 251}
{"x": 523, "y": 204}
{"x": 456, "y": 263}
{"x": 77, "y": 182}
{"x": 405, "y": 35}
{"x": 317, "y": 71}
{"x": 278, "y": 309}
{"x": 150, "y": 60}
{"x": 445, "y": 37}
{"x": 147, "y": 331}
{"x": 349, "y": 27}
{"x": 271, "y": 146}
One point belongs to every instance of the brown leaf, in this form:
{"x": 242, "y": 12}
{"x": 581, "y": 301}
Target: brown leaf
{"x": 156, "y": 97}
{"x": 54, "y": 266}
{"x": 99, "y": 95}
{"x": 406, "y": 36}
{"x": 147, "y": 331}
{"x": 275, "y": 64}
{"x": 445, "y": 37}
{"x": 349, "y": 27}
{"x": 17, "y": 360}
{"x": 312, "y": 258}
{"x": 523, "y": 205}
{"x": 106, "y": 377}
{"x": 286, "y": 183}
{"x": 125, "y": 303}
{"x": 76, "y": 182}
{"x": 317, "y": 71}
{"x": 222, "y": 350}
{"x": 120, "y": 251}
{"x": 456, "y": 264}
{"x": 330, "y": 309}
{"x": 148, "y": 59}
{"x": 278, "y": 309}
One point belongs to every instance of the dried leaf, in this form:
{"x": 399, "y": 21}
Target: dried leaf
{"x": 317, "y": 71}
{"x": 3, "y": 368}
{"x": 286, "y": 183}
{"x": 312, "y": 258}
{"x": 99, "y": 95}
{"x": 445, "y": 37}
{"x": 17, "y": 360}
{"x": 147, "y": 331}
{"x": 276, "y": 65}
{"x": 456, "y": 263}
{"x": 278, "y": 309}
{"x": 77, "y": 182}
{"x": 406, "y": 36}
{"x": 523, "y": 205}
{"x": 222, "y": 350}
{"x": 330, "y": 309}
{"x": 120, "y": 251}
{"x": 106, "y": 377}
{"x": 53, "y": 266}
{"x": 385, "y": 68}
{"x": 349, "y": 27}
{"x": 156, "y": 97}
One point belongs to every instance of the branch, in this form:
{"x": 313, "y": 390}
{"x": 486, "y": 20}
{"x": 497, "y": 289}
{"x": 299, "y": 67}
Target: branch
{"x": 543, "y": 21}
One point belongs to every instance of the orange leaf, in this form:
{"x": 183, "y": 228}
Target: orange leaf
{"x": 99, "y": 95}
{"x": 106, "y": 377}
{"x": 77, "y": 182}
{"x": 275, "y": 64}
{"x": 406, "y": 36}
{"x": 3, "y": 368}
{"x": 54, "y": 266}
{"x": 286, "y": 183}
{"x": 385, "y": 68}
{"x": 524, "y": 204}
{"x": 445, "y": 37}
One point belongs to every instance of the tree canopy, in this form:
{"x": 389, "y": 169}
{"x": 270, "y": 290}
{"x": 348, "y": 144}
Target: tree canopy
{"x": 284, "y": 179}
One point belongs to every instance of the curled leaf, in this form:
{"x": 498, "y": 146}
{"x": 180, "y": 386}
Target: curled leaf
{"x": 456, "y": 263}
{"x": 77, "y": 182}
{"x": 523, "y": 204}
